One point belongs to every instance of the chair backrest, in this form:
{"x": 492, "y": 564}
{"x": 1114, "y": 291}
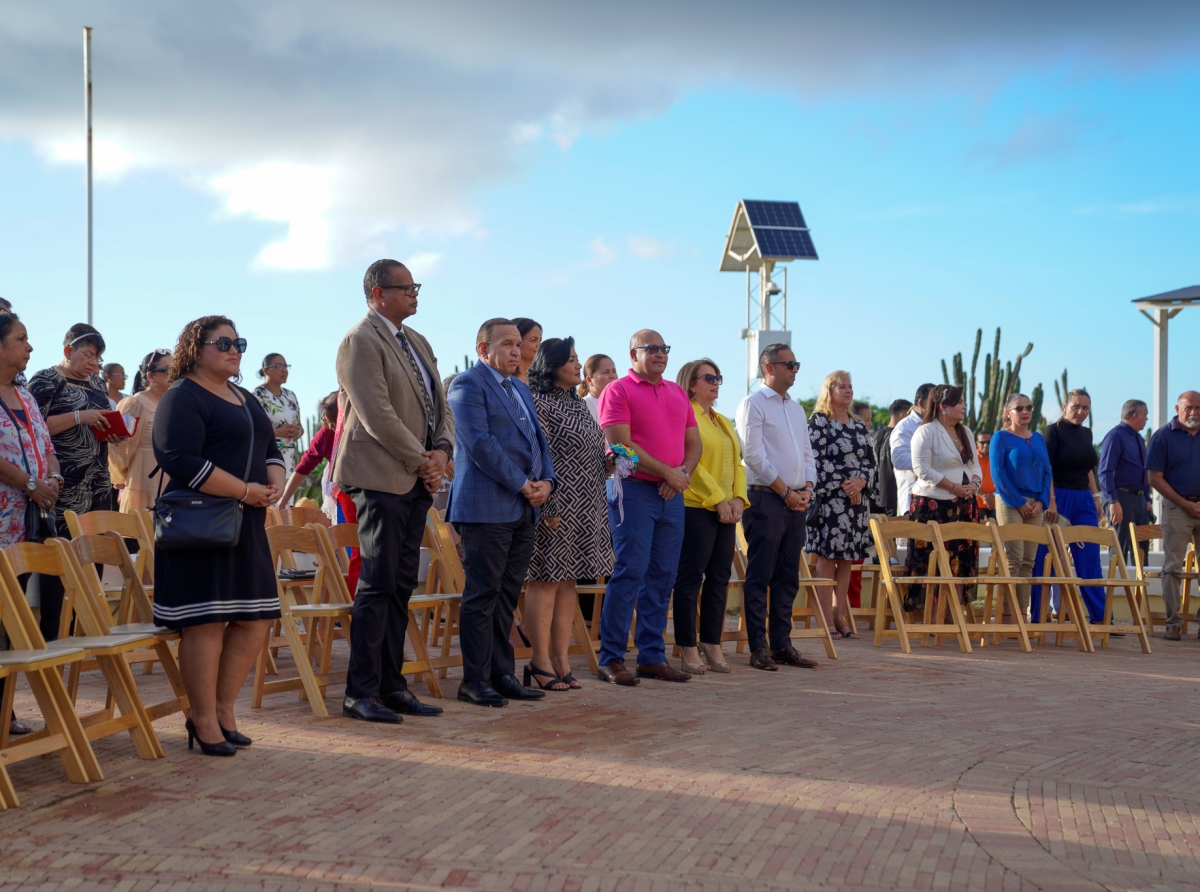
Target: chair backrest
{"x": 285, "y": 539}
{"x": 343, "y": 536}
{"x": 886, "y": 532}
{"x": 1103, "y": 536}
{"x": 302, "y": 517}
{"x": 109, "y": 550}
{"x": 45, "y": 558}
{"x": 450, "y": 574}
{"x": 131, "y": 526}
{"x": 1022, "y": 532}
{"x": 273, "y": 518}
{"x": 15, "y": 614}
{"x": 332, "y": 552}
{"x": 1140, "y": 533}
{"x": 90, "y": 605}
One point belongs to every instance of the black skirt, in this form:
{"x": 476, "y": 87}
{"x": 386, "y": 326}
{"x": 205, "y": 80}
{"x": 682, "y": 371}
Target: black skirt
{"x": 218, "y": 585}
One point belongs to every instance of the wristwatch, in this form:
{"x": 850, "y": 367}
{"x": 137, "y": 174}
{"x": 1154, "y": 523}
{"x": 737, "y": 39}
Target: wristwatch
{"x": 31, "y": 484}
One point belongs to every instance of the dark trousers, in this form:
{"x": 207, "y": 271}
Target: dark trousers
{"x": 1134, "y": 509}
{"x": 390, "y": 529}
{"x": 707, "y": 553}
{"x": 495, "y": 559}
{"x": 775, "y": 537}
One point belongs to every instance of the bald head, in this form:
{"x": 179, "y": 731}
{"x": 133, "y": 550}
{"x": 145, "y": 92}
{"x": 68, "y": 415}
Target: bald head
{"x": 648, "y": 354}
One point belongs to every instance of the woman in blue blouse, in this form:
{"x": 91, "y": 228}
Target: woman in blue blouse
{"x": 1021, "y": 472}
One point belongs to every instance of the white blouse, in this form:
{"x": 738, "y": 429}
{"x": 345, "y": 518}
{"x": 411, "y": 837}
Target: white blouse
{"x": 936, "y": 459}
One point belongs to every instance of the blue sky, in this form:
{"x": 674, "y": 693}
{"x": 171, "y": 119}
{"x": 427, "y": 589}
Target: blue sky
{"x": 1036, "y": 189}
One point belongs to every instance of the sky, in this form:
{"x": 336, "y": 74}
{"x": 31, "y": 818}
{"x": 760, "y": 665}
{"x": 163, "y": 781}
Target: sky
{"x": 1029, "y": 166}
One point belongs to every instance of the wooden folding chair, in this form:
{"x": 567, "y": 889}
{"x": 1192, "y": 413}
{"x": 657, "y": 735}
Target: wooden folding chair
{"x": 63, "y": 733}
{"x": 326, "y": 607}
{"x": 1071, "y": 618}
{"x": 1144, "y": 534}
{"x": 991, "y": 623}
{"x": 109, "y": 550}
{"x": 1118, "y": 578}
{"x": 941, "y": 590}
{"x": 302, "y": 517}
{"x": 810, "y": 610}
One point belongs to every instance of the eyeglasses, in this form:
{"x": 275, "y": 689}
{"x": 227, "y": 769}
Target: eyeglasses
{"x": 651, "y": 349}
{"x": 414, "y": 289}
{"x": 158, "y": 370}
{"x": 283, "y": 367}
{"x": 790, "y": 364}
{"x": 712, "y": 379}
{"x": 224, "y": 345}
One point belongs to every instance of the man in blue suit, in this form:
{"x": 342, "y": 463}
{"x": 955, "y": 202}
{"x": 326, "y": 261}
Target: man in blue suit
{"x": 504, "y": 473}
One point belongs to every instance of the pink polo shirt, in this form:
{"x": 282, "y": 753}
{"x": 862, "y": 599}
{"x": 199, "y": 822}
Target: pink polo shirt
{"x": 657, "y": 415}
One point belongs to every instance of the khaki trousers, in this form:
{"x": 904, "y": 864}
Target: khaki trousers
{"x": 1020, "y": 554}
{"x": 1179, "y": 528}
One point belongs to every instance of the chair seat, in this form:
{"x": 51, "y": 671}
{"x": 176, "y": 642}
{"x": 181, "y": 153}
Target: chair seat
{"x": 141, "y": 629}
{"x": 102, "y": 643}
{"x": 53, "y": 656}
{"x": 422, "y": 600}
{"x": 322, "y": 610}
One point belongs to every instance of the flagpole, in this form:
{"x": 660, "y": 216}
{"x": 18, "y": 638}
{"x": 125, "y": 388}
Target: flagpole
{"x": 87, "y": 115}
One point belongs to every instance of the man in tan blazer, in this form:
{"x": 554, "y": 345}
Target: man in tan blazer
{"x": 396, "y": 443}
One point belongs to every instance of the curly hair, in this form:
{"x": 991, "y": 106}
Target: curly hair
{"x": 552, "y": 355}
{"x": 191, "y": 344}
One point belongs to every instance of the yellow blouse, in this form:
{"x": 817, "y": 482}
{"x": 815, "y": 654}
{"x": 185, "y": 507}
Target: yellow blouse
{"x": 720, "y": 476}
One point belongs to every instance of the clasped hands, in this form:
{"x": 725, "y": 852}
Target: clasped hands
{"x": 46, "y": 493}
{"x": 731, "y": 511}
{"x": 438, "y": 466}
{"x": 853, "y": 489}
{"x": 289, "y": 432}
{"x": 674, "y": 482}
{"x": 259, "y": 495}
{"x": 537, "y": 491}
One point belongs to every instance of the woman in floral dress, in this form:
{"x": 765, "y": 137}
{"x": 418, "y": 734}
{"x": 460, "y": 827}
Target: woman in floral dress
{"x": 281, "y": 407}
{"x": 845, "y": 462}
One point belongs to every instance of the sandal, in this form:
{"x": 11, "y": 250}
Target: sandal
{"x": 712, "y": 655}
{"x": 571, "y": 680}
{"x": 533, "y": 673}
{"x": 847, "y": 633}
{"x": 691, "y": 668}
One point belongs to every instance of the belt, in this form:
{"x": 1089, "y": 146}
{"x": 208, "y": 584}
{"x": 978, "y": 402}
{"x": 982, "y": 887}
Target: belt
{"x": 1191, "y": 498}
{"x": 1132, "y": 492}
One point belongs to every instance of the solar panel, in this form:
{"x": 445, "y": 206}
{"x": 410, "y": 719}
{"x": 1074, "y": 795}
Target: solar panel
{"x": 774, "y": 213}
{"x": 785, "y": 243}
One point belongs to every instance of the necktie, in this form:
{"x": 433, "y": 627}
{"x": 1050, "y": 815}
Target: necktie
{"x": 527, "y": 429}
{"x": 416, "y": 370}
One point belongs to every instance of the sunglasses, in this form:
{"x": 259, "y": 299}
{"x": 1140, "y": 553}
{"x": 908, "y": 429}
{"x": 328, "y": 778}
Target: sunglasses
{"x": 651, "y": 349}
{"x": 224, "y": 345}
{"x": 790, "y": 364}
{"x": 158, "y": 370}
{"x": 712, "y": 379}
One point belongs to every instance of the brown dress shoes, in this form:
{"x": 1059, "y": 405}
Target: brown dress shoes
{"x": 789, "y": 656}
{"x": 761, "y": 659}
{"x": 616, "y": 673}
{"x": 661, "y": 671}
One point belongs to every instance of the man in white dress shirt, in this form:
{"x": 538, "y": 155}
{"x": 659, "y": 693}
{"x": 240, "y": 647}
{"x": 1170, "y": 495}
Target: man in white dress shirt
{"x": 780, "y": 474}
{"x": 901, "y": 441}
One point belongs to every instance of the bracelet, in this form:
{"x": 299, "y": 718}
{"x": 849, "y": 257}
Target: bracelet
{"x": 246, "y": 494}
{"x": 77, "y": 417}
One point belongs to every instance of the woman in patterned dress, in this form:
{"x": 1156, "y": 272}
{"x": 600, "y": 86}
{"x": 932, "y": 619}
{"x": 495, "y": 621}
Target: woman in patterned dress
{"x": 281, "y": 407}
{"x": 130, "y": 461}
{"x": 73, "y": 398}
{"x": 948, "y": 479}
{"x": 572, "y": 540}
{"x": 845, "y": 462}
{"x": 28, "y": 465}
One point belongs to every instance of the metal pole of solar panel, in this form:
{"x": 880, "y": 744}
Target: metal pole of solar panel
{"x": 749, "y": 343}
{"x": 785, "y": 269}
{"x": 87, "y": 116}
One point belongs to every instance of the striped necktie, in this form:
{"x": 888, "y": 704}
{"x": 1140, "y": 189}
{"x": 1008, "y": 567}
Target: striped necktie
{"x": 416, "y": 370}
{"x": 526, "y": 429}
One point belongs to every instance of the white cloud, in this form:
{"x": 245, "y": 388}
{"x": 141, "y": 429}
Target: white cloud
{"x": 424, "y": 263}
{"x": 603, "y": 254}
{"x": 649, "y": 248}
{"x": 109, "y": 159}
{"x": 409, "y": 110}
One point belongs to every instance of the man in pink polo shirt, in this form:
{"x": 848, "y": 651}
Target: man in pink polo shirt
{"x": 653, "y": 417}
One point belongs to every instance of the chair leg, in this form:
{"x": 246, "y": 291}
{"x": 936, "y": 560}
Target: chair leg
{"x": 307, "y": 681}
{"x": 78, "y": 758}
{"x": 422, "y": 654}
{"x": 6, "y": 708}
{"x": 123, "y": 689}
{"x": 580, "y": 632}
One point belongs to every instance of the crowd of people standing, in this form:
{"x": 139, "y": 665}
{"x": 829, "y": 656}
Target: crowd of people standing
{"x": 553, "y": 470}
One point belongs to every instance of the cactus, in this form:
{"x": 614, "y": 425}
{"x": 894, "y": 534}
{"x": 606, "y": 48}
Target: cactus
{"x": 999, "y": 382}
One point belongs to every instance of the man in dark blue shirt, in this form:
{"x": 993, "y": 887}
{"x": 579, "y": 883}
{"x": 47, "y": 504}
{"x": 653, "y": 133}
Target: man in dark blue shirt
{"x": 1174, "y": 464}
{"x": 1123, "y": 480}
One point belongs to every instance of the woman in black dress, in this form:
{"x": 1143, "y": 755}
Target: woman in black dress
{"x": 73, "y": 398}
{"x": 223, "y": 599}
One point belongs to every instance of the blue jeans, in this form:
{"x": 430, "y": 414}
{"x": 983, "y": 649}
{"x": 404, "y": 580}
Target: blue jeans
{"x": 646, "y": 548}
{"x": 1077, "y": 506}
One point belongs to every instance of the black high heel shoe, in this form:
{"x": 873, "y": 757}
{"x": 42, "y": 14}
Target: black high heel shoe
{"x": 224, "y": 748}
{"x": 237, "y": 738}
{"x": 533, "y": 673}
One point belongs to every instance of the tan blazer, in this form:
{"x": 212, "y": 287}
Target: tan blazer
{"x": 383, "y": 429}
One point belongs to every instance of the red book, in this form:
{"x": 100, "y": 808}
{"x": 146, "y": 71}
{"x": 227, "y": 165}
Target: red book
{"x": 121, "y": 426}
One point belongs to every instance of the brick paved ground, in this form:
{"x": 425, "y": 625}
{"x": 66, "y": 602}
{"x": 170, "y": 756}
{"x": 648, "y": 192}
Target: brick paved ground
{"x": 995, "y": 771}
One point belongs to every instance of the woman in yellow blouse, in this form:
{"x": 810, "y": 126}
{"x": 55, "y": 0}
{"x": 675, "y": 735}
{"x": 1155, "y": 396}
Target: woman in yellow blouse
{"x": 131, "y": 461}
{"x": 713, "y": 505}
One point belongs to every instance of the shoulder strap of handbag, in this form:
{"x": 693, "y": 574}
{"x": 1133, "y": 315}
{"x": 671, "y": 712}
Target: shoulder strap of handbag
{"x": 17, "y": 426}
{"x": 249, "y": 454}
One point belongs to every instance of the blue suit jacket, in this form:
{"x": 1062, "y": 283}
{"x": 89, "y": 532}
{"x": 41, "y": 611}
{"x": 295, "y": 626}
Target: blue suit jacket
{"x": 492, "y": 457}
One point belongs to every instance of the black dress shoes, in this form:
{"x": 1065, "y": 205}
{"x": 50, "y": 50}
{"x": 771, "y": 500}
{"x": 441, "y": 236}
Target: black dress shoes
{"x": 369, "y": 709}
{"x": 760, "y": 659}
{"x": 480, "y": 693}
{"x": 511, "y": 687}
{"x": 789, "y": 656}
{"x": 406, "y": 703}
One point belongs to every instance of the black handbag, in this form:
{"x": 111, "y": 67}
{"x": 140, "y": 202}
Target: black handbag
{"x": 39, "y": 522}
{"x": 186, "y": 520}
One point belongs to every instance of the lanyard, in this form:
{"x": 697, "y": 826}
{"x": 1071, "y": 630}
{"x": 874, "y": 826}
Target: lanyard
{"x": 41, "y": 467}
